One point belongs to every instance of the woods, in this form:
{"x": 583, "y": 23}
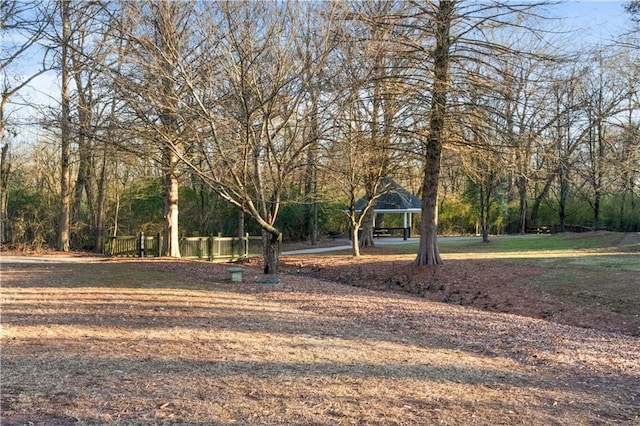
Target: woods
{"x": 190, "y": 118}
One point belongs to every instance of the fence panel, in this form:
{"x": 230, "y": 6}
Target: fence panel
{"x": 194, "y": 247}
{"x": 228, "y": 248}
{"x": 255, "y": 246}
{"x": 151, "y": 246}
{"x": 211, "y": 248}
{"x": 123, "y": 246}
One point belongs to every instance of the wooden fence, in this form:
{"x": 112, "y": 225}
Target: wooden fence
{"x": 211, "y": 248}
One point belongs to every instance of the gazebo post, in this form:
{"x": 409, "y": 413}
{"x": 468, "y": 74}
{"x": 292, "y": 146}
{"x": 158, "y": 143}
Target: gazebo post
{"x": 404, "y": 225}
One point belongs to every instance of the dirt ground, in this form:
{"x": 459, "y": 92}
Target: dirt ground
{"x": 335, "y": 341}
{"x": 481, "y": 284}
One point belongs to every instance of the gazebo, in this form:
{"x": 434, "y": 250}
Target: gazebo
{"x": 396, "y": 200}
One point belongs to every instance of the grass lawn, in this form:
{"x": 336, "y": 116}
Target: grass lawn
{"x": 596, "y": 269}
{"x": 593, "y": 269}
{"x": 522, "y": 243}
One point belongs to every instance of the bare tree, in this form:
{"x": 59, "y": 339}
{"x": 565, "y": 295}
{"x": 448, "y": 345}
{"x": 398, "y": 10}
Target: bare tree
{"x": 65, "y": 130}
{"x": 603, "y": 99}
{"x": 443, "y": 15}
{"x": 158, "y": 44}
{"x": 626, "y": 150}
{"x": 633, "y": 8}
{"x": 372, "y": 73}
{"x": 524, "y": 116}
{"x": 248, "y": 92}
{"x": 5, "y": 174}
{"x": 90, "y": 50}
{"x": 355, "y": 167}
{"x": 315, "y": 82}
{"x": 450, "y": 37}
{"x": 561, "y": 137}
{"x": 22, "y": 29}
{"x": 483, "y": 155}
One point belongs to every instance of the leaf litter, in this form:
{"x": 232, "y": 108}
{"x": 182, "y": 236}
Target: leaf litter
{"x": 190, "y": 347}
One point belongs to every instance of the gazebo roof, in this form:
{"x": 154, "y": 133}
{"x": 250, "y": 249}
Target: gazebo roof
{"x": 395, "y": 199}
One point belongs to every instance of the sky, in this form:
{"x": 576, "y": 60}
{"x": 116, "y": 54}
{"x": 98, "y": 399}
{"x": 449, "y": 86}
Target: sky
{"x": 594, "y": 20}
{"x": 587, "y": 22}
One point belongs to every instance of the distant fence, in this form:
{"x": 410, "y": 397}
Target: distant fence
{"x": 211, "y": 248}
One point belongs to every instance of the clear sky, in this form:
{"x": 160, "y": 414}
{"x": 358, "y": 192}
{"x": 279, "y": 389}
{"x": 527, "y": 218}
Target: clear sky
{"x": 586, "y": 22}
{"x": 591, "y": 21}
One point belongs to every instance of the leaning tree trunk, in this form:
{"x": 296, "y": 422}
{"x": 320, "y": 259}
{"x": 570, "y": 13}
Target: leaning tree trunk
{"x": 539, "y": 198}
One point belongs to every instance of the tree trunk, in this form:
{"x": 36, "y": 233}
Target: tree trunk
{"x": 85, "y": 180}
{"x": 564, "y": 196}
{"x": 428, "y": 252}
{"x": 366, "y": 239}
{"x": 5, "y": 173}
{"x": 171, "y": 236}
{"x": 85, "y": 183}
{"x": 270, "y": 245}
{"x": 599, "y": 175}
{"x": 168, "y": 36}
{"x": 596, "y": 210}
{"x": 521, "y": 184}
{"x": 485, "y": 213}
{"x": 355, "y": 243}
{"x": 240, "y": 233}
{"x": 65, "y": 145}
{"x": 310, "y": 184}
{"x": 311, "y": 204}
{"x": 100, "y": 200}
{"x": 314, "y": 223}
{"x": 538, "y": 200}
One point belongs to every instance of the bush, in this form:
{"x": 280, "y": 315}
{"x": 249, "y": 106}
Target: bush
{"x": 32, "y": 218}
{"x": 456, "y": 216}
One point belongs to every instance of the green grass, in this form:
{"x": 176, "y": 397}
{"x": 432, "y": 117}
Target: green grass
{"x": 592, "y": 269}
{"x": 529, "y": 243}
{"x": 517, "y": 243}
{"x": 598, "y": 285}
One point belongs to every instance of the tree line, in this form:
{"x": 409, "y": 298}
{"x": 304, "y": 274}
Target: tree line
{"x": 279, "y": 116}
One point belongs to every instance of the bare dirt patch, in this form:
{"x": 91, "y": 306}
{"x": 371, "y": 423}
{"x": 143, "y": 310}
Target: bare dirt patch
{"x": 175, "y": 342}
{"x": 489, "y": 285}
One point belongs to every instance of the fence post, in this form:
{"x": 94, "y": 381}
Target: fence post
{"x": 246, "y": 245}
{"x": 141, "y": 245}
